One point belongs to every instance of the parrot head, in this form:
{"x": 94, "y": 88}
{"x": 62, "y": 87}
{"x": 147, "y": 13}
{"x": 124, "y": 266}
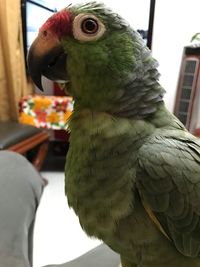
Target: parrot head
{"x": 96, "y": 53}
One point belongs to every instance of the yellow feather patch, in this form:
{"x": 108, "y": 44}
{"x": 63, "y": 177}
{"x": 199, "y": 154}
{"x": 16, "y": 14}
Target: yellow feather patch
{"x": 154, "y": 219}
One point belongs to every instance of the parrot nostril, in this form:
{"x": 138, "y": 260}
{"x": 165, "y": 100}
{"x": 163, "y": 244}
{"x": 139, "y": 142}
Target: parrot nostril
{"x": 45, "y": 33}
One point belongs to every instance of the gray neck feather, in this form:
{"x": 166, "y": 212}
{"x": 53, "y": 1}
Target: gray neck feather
{"x": 140, "y": 91}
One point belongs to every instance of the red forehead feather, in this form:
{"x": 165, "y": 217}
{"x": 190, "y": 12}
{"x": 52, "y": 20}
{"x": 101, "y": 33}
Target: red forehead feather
{"x": 60, "y": 23}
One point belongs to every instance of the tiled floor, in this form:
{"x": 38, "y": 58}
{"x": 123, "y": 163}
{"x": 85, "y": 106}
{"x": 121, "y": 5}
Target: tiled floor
{"x": 58, "y": 236}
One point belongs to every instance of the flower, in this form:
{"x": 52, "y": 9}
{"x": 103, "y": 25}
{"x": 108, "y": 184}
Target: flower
{"x": 41, "y": 103}
{"x": 41, "y": 116}
{"x": 52, "y": 117}
{"x": 27, "y": 119}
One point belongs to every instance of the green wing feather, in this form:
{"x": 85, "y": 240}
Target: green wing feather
{"x": 168, "y": 179}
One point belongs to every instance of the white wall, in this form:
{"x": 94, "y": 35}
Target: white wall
{"x": 175, "y": 23}
{"x": 128, "y": 9}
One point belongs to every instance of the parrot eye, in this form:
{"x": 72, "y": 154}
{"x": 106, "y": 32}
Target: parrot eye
{"x": 87, "y": 28}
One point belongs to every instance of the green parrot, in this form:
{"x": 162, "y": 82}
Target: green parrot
{"x": 132, "y": 169}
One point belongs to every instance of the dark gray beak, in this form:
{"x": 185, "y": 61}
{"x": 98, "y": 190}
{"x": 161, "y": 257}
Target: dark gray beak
{"x": 48, "y": 59}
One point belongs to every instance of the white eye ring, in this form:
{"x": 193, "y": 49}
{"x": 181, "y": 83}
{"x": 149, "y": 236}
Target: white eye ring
{"x": 87, "y": 27}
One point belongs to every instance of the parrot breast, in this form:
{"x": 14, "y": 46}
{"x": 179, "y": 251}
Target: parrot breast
{"x": 100, "y": 169}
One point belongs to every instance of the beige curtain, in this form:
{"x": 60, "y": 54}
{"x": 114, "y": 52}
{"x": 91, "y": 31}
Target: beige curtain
{"x": 13, "y": 81}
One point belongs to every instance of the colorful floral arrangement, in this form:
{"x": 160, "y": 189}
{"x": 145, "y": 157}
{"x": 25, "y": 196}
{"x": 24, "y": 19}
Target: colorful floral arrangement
{"x": 51, "y": 112}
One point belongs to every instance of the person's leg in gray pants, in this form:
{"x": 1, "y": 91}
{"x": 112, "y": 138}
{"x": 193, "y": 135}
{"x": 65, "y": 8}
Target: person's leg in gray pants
{"x": 20, "y": 191}
{"x": 101, "y": 256}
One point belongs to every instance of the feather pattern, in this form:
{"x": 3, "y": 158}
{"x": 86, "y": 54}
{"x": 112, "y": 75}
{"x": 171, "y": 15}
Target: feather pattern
{"x": 168, "y": 179}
